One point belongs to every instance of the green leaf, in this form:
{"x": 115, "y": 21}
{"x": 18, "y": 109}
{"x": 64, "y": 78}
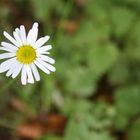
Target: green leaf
{"x": 78, "y": 83}
{"x": 90, "y": 119}
{"x": 97, "y": 10}
{"x": 127, "y": 100}
{"x": 134, "y": 131}
{"x": 50, "y": 137}
{"x": 125, "y": 71}
{"x": 133, "y": 42}
{"x": 100, "y": 136}
{"x": 122, "y": 19}
{"x": 43, "y": 8}
{"x": 102, "y": 58}
{"x": 121, "y": 121}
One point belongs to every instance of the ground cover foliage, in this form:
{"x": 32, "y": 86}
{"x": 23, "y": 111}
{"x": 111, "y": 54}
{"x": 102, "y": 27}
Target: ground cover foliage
{"x": 95, "y": 92}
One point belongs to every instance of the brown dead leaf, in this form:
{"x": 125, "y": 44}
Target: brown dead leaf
{"x": 55, "y": 124}
{"x": 43, "y": 124}
{"x": 32, "y": 131}
{"x": 80, "y": 3}
{"x": 71, "y": 26}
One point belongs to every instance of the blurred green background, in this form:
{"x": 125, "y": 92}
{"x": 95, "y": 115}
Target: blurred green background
{"x": 95, "y": 92}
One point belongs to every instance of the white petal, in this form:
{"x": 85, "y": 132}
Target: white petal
{"x": 17, "y": 30}
{"x": 17, "y": 70}
{"x": 11, "y": 39}
{"x": 12, "y": 68}
{"x": 23, "y": 34}
{"x": 41, "y": 41}
{"x": 17, "y": 37}
{"x": 41, "y": 53}
{"x": 6, "y": 49}
{"x": 33, "y": 33}
{"x": 29, "y": 74}
{"x": 47, "y": 59}
{"x": 24, "y": 75}
{"x": 7, "y": 64}
{"x": 9, "y": 46}
{"x": 48, "y": 66}
{"x": 43, "y": 49}
{"x": 7, "y": 55}
{"x": 35, "y": 25}
{"x": 42, "y": 67}
{"x": 35, "y": 72}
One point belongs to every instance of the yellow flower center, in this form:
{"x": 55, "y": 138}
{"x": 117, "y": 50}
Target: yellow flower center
{"x": 26, "y": 54}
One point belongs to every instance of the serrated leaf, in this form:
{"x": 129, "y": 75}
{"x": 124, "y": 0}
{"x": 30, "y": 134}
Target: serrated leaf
{"x": 122, "y": 19}
{"x": 133, "y": 42}
{"x": 102, "y": 58}
{"x": 128, "y": 100}
{"x": 78, "y": 83}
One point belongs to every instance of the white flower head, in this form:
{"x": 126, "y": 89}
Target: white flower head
{"x": 25, "y": 53}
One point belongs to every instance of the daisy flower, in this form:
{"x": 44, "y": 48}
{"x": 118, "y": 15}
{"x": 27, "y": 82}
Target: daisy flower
{"x": 24, "y": 54}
